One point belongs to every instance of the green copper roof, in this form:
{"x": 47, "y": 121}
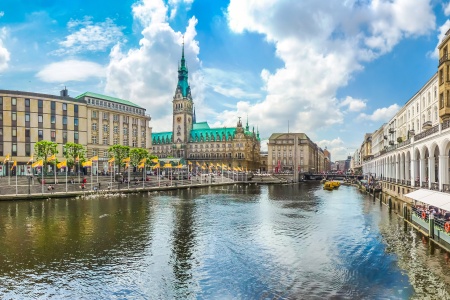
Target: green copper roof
{"x": 108, "y": 98}
{"x": 200, "y": 125}
{"x": 162, "y": 138}
{"x": 183, "y": 76}
{"x": 208, "y": 134}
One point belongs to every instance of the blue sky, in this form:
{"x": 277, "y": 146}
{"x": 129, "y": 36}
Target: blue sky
{"x": 332, "y": 69}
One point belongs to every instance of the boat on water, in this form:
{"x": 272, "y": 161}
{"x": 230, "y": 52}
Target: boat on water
{"x": 335, "y": 184}
{"x": 328, "y": 186}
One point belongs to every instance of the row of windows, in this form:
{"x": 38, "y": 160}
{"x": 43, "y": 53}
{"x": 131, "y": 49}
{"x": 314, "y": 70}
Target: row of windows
{"x": 40, "y": 133}
{"x": 14, "y": 149}
{"x": 40, "y": 103}
{"x": 41, "y": 118}
{"x": 116, "y": 118}
{"x": 116, "y": 106}
{"x": 217, "y": 155}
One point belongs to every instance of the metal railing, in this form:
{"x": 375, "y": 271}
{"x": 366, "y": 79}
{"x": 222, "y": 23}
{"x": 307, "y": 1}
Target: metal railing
{"x": 408, "y": 182}
{"x": 416, "y": 183}
{"x": 426, "y": 133}
{"x": 445, "y": 125}
{"x": 424, "y": 184}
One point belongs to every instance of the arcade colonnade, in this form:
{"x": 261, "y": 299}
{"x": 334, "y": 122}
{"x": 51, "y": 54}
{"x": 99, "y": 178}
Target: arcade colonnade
{"x": 423, "y": 163}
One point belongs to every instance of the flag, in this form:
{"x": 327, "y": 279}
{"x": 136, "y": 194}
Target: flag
{"x": 179, "y": 166}
{"x": 155, "y": 160}
{"x": 127, "y": 164}
{"x": 31, "y": 159}
{"x": 156, "y": 166}
{"x": 52, "y": 158}
{"x": 6, "y": 159}
{"x": 62, "y": 164}
{"x": 141, "y": 165}
{"x": 112, "y": 159}
{"x": 95, "y": 158}
{"x": 37, "y": 164}
{"x": 14, "y": 165}
{"x": 143, "y": 161}
{"x": 77, "y": 159}
{"x": 126, "y": 160}
{"x": 87, "y": 163}
{"x": 218, "y": 165}
{"x": 169, "y": 166}
{"x": 189, "y": 162}
{"x": 197, "y": 163}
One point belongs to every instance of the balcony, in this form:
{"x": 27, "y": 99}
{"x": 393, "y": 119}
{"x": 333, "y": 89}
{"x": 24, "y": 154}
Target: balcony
{"x": 391, "y": 143}
{"x": 391, "y": 130}
{"x": 443, "y": 59}
{"x": 427, "y": 125}
{"x": 385, "y": 137}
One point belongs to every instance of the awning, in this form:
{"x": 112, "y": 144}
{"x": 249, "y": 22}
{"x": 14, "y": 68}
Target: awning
{"x": 434, "y": 198}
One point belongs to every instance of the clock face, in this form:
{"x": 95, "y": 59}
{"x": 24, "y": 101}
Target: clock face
{"x": 178, "y": 119}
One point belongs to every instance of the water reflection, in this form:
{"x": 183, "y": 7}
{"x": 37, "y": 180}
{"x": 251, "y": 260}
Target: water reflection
{"x": 237, "y": 242}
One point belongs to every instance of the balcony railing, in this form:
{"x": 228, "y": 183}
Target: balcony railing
{"x": 408, "y": 182}
{"x": 426, "y": 133}
{"x": 424, "y": 184}
{"x": 391, "y": 130}
{"x": 443, "y": 59}
{"x": 417, "y": 183}
{"x": 445, "y": 124}
{"x": 427, "y": 125}
{"x": 391, "y": 143}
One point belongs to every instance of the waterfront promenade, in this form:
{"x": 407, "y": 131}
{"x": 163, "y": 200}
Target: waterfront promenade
{"x": 32, "y": 189}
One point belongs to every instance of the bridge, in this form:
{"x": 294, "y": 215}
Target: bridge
{"x": 310, "y": 176}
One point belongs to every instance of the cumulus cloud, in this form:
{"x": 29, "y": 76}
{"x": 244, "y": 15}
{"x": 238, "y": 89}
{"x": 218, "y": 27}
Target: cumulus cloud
{"x": 148, "y": 75}
{"x": 442, "y": 31}
{"x": 70, "y": 70}
{"x": 230, "y": 84}
{"x": 4, "y": 53}
{"x": 322, "y": 45}
{"x": 2, "y": 13}
{"x": 337, "y": 148}
{"x": 353, "y": 104}
{"x": 446, "y": 7}
{"x": 381, "y": 114}
{"x": 89, "y": 36}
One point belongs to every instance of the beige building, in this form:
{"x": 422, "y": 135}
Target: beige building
{"x": 113, "y": 121}
{"x": 29, "y": 117}
{"x": 264, "y": 156}
{"x": 287, "y": 151}
{"x": 92, "y": 120}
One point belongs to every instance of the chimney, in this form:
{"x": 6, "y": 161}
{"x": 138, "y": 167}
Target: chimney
{"x": 64, "y": 92}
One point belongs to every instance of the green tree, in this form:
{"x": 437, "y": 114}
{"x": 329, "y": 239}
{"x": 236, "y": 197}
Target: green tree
{"x": 72, "y": 151}
{"x": 44, "y": 149}
{"x": 119, "y": 152}
{"x": 137, "y": 154}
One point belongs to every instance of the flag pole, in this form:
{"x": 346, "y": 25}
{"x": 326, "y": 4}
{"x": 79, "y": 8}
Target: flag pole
{"x": 55, "y": 170}
{"x": 9, "y": 173}
{"x": 16, "y": 177}
{"x": 128, "y": 175}
{"x": 42, "y": 176}
{"x": 92, "y": 168}
{"x": 66, "y": 176}
{"x": 78, "y": 170}
{"x": 143, "y": 177}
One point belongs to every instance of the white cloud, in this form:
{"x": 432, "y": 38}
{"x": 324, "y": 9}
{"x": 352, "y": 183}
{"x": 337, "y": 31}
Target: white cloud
{"x": 446, "y": 7}
{"x": 322, "y": 45}
{"x": 442, "y": 31}
{"x": 353, "y": 104}
{"x": 381, "y": 114}
{"x": 337, "y": 147}
{"x": 70, "y": 70}
{"x": 148, "y": 75}
{"x": 4, "y": 53}
{"x": 88, "y": 36}
{"x": 228, "y": 83}
{"x": 2, "y": 13}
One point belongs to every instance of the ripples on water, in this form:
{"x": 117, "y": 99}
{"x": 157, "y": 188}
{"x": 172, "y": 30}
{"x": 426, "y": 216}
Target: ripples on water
{"x": 238, "y": 242}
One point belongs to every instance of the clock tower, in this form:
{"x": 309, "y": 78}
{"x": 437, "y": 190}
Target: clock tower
{"x": 182, "y": 111}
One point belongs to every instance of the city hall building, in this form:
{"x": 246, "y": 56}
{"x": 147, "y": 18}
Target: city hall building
{"x": 198, "y": 142}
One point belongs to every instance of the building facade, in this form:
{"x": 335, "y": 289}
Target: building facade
{"x": 294, "y": 151}
{"x": 26, "y": 118}
{"x": 416, "y": 141}
{"x": 114, "y": 121}
{"x": 197, "y": 141}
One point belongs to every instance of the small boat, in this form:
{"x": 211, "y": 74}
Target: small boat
{"x": 335, "y": 184}
{"x": 328, "y": 186}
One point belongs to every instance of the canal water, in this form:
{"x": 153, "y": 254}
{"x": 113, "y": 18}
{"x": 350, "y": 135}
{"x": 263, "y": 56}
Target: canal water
{"x": 236, "y": 242}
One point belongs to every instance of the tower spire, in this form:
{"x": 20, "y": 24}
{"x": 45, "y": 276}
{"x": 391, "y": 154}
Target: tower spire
{"x": 183, "y": 61}
{"x": 194, "y": 119}
{"x": 246, "y": 125}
